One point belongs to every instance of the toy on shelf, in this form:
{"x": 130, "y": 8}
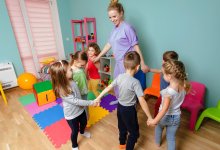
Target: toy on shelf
{"x": 104, "y": 83}
{"x": 106, "y": 68}
{"x": 44, "y": 93}
{"x": 80, "y": 39}
{"x": 26, "y": 81}
{"x": 85, "y": 36}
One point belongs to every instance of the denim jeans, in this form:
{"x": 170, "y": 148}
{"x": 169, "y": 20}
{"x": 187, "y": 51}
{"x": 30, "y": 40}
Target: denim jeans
{"x": 171, "y": 122}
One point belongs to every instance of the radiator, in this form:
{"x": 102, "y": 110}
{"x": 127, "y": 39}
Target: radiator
{"x": 7, "y": 75}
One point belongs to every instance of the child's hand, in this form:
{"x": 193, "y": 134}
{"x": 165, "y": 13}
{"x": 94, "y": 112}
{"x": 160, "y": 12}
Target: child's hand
{"x": 98, "y": 99}
{"x": 96, "y": 103}
{"x": 151, "y": 122}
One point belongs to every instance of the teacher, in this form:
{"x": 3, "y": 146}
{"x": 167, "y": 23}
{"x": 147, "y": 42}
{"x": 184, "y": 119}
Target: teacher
{"x": 122, "y": 40}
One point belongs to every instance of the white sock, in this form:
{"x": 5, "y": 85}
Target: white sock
{"x": 113, "y": 102}
{"x": 76, "y": 148}
{"x": 86, "y": 134}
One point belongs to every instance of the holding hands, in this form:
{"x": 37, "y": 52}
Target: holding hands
{"x": 96, "y": 103}
{"x": 151, "y": 122}
{"x": 145, "y": 68}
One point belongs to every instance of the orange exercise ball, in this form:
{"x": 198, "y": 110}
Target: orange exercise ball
{"x": 26, "y": 81}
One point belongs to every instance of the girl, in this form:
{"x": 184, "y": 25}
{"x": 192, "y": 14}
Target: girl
{"x": 172, "y": 98}
{"x": 122, "y": 39}
{"x": 92, "y": 69}
{"x": 78, "y": 63}
{"x": 74, "y": 112}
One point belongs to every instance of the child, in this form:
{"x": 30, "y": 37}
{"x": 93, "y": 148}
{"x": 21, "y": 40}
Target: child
{"x": 74, "y": 111}
{"x": 78, "y": 63}
{"x": 92, "y": 69}
{"x": 129, "y": 90}
{"x": 172, "y": 98}
{"x": 168, "y": 55}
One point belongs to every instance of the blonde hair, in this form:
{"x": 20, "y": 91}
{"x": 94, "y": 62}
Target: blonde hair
{"x": 131, "y": 60}
{"x": 177, "y": 70}
{"x": 115, "y": 5}
{"x": 96, "y": 48}
{"x": 60, "y": 82}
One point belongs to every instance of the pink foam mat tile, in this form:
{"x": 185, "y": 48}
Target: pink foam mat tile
{"x": 33, "y": 108}
{"x": 58, "y": 133}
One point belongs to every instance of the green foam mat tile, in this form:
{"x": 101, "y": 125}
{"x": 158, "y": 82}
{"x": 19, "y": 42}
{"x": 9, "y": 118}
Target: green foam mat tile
{"x": 27, "y": 99}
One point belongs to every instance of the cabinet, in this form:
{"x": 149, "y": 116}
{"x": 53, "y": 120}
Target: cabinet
{"x": 83, "y": 32}
{"x": 107, "y": 65}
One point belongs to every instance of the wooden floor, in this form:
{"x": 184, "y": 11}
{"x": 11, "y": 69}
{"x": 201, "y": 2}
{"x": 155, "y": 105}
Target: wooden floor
{"x": 18, "y": 131}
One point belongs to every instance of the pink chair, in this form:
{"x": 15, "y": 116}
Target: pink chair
{"x": 194, "y": 102}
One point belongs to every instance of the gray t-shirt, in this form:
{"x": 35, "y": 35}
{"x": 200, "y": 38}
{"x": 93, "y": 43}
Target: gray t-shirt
{"x": 176, "y": 99}
{"x": 129, "y": 89}
{"x": 73, "y": 105}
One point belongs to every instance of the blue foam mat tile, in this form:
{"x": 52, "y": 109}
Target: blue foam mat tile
{"x": 49, "y": 116}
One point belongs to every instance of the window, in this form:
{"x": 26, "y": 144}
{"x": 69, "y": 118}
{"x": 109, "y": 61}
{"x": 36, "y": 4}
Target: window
{"x": 34, "y": 31}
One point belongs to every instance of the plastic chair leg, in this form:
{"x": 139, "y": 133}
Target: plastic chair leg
{"x": 199, "y": 121}
{"x": 193, "y": 119}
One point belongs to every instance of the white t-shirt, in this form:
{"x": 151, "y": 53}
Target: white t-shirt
{"x": 176, "y": 99}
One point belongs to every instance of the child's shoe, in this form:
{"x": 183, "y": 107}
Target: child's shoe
{"x": 122, "y": 146}
{"x": 88, "y": 126}
{"x": 75, "y": 148}
{"x": 86, "y": 134}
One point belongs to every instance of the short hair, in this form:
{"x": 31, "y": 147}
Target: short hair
{"x": 131, "y": 60}
{"x": 170, "y": 55}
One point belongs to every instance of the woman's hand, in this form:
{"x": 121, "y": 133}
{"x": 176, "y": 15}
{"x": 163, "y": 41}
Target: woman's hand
{"x": 95, "y": 59}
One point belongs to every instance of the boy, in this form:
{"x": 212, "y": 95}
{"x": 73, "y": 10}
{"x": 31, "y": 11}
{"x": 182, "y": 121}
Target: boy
{"x": 129, "y": 90}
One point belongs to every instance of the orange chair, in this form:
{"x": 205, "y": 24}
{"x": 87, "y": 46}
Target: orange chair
{"x": 154, "y": 89}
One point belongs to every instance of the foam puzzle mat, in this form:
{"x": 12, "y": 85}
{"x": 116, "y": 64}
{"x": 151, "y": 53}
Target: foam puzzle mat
{"x": 50, "y": 117}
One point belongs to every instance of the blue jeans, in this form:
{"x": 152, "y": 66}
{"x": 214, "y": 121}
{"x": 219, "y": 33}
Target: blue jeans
{"x": 171, "y": 122}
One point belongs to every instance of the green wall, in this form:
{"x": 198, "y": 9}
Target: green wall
{"x": 65, "y": 17}
{"x": 8, "y": 46}
{"x": 192, "y": 28}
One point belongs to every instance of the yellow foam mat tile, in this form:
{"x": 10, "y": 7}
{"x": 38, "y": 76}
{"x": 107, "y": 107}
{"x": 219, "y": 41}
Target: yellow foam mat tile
{"x": 96, "y": 114}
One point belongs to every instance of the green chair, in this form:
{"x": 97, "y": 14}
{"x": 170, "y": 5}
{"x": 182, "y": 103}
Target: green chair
{"x": 213, "y": 113}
